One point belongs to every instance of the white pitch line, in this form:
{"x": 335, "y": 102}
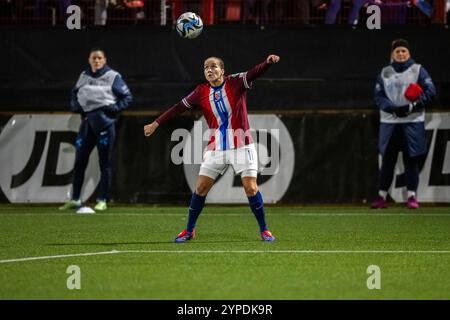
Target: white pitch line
{"x": 226, "y": 251}
{"x": 285, "y": 251}
{"x": 60, "y": 256}
{"x": 374, "y": 214}
{"x": 117, "y": 214}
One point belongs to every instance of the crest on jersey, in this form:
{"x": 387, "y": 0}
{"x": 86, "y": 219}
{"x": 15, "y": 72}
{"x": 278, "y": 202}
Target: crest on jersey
{"x": 217, "y": 95}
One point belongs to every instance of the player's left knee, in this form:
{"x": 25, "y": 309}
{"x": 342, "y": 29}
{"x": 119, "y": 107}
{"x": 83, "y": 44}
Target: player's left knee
{"x": 251, "y": 190}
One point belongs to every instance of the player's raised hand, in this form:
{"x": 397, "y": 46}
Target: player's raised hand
{"x": 149, "y": 129}
{"x": 272, "y": 59}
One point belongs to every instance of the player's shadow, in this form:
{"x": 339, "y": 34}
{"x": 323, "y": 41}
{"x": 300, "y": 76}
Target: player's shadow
{"x": 143, "y": 242}
{"x": 105, "y": 243}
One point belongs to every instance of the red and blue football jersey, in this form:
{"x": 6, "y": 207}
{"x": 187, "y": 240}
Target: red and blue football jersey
{"x": 224, "y": 108}
{"x": 225, "y": 111}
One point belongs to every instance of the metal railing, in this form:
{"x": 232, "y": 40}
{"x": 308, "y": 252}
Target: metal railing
{"x": 258, "y": 12}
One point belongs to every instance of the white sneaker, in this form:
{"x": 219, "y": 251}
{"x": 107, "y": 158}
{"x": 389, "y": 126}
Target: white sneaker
{"x": 85, "y": 210}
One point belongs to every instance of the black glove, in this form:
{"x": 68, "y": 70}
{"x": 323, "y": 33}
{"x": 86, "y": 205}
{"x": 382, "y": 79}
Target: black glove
{"x": 111, "y": 109}
{"x": 417, "y": 106}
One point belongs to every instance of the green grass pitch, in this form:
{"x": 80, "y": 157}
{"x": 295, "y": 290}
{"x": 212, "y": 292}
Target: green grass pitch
{"x": 320, "y": 253}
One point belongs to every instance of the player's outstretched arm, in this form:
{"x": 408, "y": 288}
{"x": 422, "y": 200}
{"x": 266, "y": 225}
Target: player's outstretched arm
{"x": 172, "y": 112}
{"x": 178, "y": 108}
{"x": 150, "y": 128}
{"x": 259, "y": 69}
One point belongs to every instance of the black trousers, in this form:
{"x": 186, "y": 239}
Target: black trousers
{"x": 397, "y": 144}
{"x": 87, "y": 139}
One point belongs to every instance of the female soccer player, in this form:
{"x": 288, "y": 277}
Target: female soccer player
{"x": 223, "y": 102}
{"x": 99, "y": 96}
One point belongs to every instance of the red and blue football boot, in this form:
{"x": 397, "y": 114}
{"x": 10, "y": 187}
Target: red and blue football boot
{"x": 266, "y": 235}
{"x": 184, "y": 236}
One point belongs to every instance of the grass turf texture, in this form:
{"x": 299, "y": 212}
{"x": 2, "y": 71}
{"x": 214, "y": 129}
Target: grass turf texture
{"x": 227, "y": 262}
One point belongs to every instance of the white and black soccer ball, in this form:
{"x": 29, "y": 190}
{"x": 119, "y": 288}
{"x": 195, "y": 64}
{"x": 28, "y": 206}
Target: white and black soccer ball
{"x": 189, "y": 25}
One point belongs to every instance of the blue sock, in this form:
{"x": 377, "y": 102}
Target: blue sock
{"x": 195, "y": 207}
{"x": 257, "y": 206}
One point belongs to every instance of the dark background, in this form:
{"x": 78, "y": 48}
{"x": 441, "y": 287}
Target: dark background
{"x": 321, "y": 67}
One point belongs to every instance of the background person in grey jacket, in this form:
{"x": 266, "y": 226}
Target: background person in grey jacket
{"x": 403, "y": 91}
{"x": 99, "y": 95}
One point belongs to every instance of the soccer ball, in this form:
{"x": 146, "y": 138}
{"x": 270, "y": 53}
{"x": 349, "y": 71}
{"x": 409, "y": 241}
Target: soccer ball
{"x": 189, "y": 25}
